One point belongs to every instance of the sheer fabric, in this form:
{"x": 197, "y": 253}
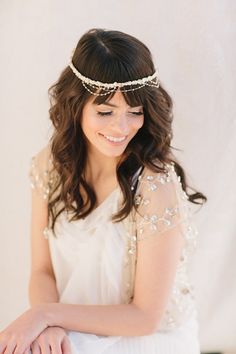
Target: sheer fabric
{"x": 161, "y": 203}
{"x": 94, "y": 259}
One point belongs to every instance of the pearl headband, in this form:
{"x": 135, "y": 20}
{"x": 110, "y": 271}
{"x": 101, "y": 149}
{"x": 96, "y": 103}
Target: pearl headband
{"x": 110, "y": 87}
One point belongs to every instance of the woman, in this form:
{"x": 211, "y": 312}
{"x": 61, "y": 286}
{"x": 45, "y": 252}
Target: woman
{"x": 110, "y": 198}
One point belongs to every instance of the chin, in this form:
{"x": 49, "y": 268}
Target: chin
{"x": 113, "y": 153}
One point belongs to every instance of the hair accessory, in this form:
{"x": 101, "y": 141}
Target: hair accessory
{"x": 151, "y": 80}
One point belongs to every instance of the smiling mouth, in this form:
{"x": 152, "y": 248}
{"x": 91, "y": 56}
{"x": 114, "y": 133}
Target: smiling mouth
{"x": 113, "y": 139}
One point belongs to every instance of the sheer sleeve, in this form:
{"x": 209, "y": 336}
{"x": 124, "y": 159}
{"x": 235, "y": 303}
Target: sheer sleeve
{"x": 40, "y": 172}
{"x": 161, "y": 203}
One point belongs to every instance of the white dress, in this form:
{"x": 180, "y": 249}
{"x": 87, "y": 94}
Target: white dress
{"x": 94, "y": 260}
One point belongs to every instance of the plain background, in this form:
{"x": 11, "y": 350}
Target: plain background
{"x": 193, "y": 46}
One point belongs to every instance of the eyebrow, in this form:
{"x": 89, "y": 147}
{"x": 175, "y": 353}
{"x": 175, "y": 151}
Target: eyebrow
{"x": 113, "y": 105}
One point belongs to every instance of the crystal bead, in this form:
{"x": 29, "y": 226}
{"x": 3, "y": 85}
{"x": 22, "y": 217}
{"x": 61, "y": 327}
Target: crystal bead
{"x": 185, "y": 290}
{"x": 137, "y": 199}
{"x": 162, "y": 180}
{"x": 170, "y": 211}
{"x": 153, "y": 187}
{"x": 146, "y": 201}
{"x": 154, "y": 218}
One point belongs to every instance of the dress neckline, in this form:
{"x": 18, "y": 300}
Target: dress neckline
{"x": 117, "y": 189}
{"x": 106, "y": 199}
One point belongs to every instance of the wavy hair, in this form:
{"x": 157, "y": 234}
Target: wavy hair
{"x": 108, "y": 56}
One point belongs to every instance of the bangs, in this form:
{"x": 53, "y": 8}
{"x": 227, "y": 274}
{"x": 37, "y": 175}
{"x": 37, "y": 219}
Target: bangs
{"x": 133, "y": 98}
{"x": 112, "y": 70}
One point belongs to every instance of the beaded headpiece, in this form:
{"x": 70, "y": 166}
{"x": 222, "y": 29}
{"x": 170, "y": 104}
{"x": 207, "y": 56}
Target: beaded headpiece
{"x": 151, "y": 80}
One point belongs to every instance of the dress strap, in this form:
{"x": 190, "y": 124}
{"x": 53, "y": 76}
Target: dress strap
{"x": 135, "y": 178}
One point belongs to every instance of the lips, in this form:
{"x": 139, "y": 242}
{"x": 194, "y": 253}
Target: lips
{"x": 114, "y": 142}
{"x": 117, "y": 137}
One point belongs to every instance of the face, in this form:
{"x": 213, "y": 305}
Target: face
{"x": 110, "y": 126}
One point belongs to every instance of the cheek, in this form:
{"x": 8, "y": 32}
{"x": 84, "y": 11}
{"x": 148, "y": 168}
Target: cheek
{"x": 92, "y": 124}
{"x": 99, "y": 124}
{"x": 137, "y": 124}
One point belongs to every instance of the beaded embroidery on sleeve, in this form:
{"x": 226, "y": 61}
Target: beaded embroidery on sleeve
{"x": 41, "y": 177}
{"x": 162, "y": 205}
{"x": 40, "y": 170}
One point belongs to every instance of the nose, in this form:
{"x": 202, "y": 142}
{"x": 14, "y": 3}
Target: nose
{"x": 120, "y": 124}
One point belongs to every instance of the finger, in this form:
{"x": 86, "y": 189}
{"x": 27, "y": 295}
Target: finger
{"x": 35, "y": 349}
{"x": 66, "y": 347}
{"x": 19, "y": 349}
{"x": 2, "y": 347}
{"x": 45, "y": 349}
{"x": 56, "y": 348}
{"x": 27, "y": 351}
{"x": 10, "y": 348}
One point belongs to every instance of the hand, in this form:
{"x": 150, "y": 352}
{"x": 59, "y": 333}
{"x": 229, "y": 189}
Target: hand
{"x": 53, "y": 340}
{"x": 19, "y": 335}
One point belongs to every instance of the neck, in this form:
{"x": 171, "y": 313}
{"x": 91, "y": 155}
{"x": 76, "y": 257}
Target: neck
{"x": 100, "y": 167}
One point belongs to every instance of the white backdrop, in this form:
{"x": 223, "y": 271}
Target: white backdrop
{"x": 193, "y": 45}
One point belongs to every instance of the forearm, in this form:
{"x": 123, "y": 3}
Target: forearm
{"x": 110, "y": 320}
{"x": 42, "y": 288}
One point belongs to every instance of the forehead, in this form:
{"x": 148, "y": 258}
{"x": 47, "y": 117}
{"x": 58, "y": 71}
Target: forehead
{"x": 116, "y": 99}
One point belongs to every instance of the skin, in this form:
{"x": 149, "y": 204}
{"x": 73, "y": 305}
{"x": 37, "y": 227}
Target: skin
{"x": 118, "y": 121}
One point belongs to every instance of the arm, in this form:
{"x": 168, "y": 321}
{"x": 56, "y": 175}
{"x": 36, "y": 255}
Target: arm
{"x": 42, "y": 288}
{"x": 108, "y": 320}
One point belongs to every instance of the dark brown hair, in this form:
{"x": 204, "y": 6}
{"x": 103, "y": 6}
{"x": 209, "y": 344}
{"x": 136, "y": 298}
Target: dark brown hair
{"x": 108, "y": 56}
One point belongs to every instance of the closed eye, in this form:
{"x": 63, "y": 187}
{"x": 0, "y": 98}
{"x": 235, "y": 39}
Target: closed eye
{"x": 104, "y": 113}
{"x": 138, "y": 113}
{"x": 109, "y": 113}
